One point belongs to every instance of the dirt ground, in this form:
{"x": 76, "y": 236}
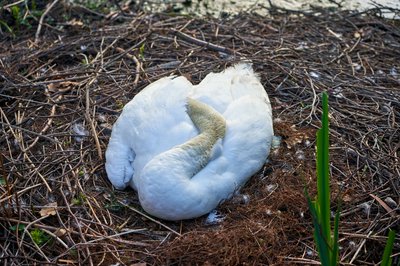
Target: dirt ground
{"x": 64, "y": 81}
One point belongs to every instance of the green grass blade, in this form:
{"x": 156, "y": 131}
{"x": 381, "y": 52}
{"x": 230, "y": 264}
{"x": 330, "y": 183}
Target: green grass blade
{"x": 323, "y": 198}
{"x": 327, "y": 245}
{"x": 386, "y": 259}
{"x": 5, "y": 25}
{"x": 335, "y": 242}
{"x": 320, "y": 241}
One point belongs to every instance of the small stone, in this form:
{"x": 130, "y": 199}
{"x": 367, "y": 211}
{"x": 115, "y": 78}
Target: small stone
{"x": 392, "y": 204}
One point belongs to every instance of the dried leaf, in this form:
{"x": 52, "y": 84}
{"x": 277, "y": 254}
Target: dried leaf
{"x": 291, "y": 135}
{"x": 60, "y": 232}
{"x": 75, "y": 22}
{"x": 49, "y": 209}
{"x": 61, "y": 86}
{"x": 347, "y": 198}
{"x": 383, "y": 204}
{"x": 296, "y": 137}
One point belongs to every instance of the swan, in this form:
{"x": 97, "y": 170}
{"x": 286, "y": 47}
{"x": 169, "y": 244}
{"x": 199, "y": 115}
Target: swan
{"x": 186, "y": 148}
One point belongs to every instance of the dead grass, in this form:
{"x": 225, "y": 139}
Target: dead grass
{"x": 60, "y": 95}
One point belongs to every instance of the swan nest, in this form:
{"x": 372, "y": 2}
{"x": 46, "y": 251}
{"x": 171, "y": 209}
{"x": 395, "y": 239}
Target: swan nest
{"x": 64, "y": 84}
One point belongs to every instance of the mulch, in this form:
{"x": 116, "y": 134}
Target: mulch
{"x": 63, "y": 86}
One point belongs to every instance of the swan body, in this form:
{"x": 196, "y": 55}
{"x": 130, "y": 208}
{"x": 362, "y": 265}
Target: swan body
{"x": 185, "y": 148}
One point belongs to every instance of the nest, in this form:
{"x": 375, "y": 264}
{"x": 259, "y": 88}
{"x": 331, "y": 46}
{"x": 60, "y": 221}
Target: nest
{"x": 63, "y": 87}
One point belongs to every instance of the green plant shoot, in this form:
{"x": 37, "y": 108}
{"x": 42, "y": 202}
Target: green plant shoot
{"x": 39, "y": 236}
{"x": 387, "y": 260}
{"x": 141, "y": 51}
{"x": 327, "y": 244}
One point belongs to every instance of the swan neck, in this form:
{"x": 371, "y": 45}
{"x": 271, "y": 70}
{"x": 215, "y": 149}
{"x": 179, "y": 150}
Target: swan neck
{"x": 212, "y": 127}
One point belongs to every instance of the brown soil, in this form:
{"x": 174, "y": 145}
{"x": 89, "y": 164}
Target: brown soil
{"x": 80, "y": 72}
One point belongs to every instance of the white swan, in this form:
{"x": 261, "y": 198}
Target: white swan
{"x": 185, "y": 148}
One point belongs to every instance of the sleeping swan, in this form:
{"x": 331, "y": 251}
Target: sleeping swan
{"x": 185, "y": 148}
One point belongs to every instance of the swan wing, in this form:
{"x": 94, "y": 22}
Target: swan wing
{"x": 154, "y": 121}
{"x": 219, "y": 90}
